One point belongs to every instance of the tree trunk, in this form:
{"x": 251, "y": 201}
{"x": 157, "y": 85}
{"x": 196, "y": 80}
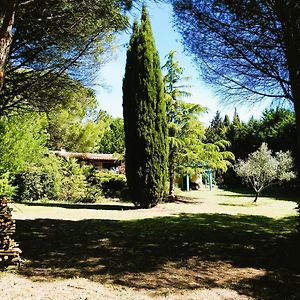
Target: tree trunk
{"x": 256, "y": 196}
{"x": 291, "y": 34}
{"x": 171, "y": 178}
{"x": 7, "y": 12}
{"x": 297, "y": 112}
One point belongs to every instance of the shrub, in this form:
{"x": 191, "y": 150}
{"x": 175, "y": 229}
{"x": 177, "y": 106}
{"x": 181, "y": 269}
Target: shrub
{"x": 73, "y": 188}
{"x": 40, "y": 181}
{"x": 6, "y": 188}
{"x": 74, "y": 184}
{"x": 109, "y": 184}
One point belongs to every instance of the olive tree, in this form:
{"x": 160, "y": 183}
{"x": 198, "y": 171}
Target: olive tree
{"x": 262, "y": 169}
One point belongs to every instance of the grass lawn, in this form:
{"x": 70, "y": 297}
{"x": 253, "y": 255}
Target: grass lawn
{"x": 207, "y": 245}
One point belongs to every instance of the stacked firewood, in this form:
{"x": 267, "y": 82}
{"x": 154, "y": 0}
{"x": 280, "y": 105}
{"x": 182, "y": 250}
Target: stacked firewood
{"x": 9, "y": 249}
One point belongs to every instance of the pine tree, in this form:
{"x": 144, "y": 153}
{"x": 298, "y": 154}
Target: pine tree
{"x": 144, "y": 118}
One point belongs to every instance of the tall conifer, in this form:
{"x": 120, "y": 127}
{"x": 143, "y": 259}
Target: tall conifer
{"x": 144, "y": 118}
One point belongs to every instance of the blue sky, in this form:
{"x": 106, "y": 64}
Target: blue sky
{"x": 166, "y": 39}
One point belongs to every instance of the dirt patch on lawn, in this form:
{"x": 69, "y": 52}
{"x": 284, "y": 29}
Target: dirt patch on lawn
{"x": 14, "y": 287}
{"x": 190, "y": 275}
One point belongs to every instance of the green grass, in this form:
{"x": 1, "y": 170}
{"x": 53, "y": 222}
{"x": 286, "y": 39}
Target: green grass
{"x": 242, "y": 194}
{"x": 231, "y": 202}
{"x": 182, "y": 251}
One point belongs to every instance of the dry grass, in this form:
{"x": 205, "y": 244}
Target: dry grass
{"x": 205, "y": 246}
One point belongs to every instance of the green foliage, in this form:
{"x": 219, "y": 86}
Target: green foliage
{"x": 187, "y": 145}
{"x": 74, "y": 184}
{"x": 109, "y": 184}
{"x": 6, "y": 188}
{"x": 226, "y": 121}
{"x": 249, "y": 49}
{"x": 51, "y": 37}
{"x": 195, "y": 154}
{"x": 262, "y": 169}
{"x": 23, "y": 150}
{"x": 113, "y": 138}
{"x": 74, "y": 125}
{"x": 217, "y": 129}
{"x": 59, "y": 179}
{"x": 183, "y": 127}
{"x": 34, "y": 184}
{"x": 40, "y": 181}
{"x": 276, "y": 127}
{"x": 144, "y": 118}
{"x": 188, "y": 151}
{"x": 22, "y": 141}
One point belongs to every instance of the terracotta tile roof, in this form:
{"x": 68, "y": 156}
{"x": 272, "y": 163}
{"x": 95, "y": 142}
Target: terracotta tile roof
{"x": 86, "y": 156}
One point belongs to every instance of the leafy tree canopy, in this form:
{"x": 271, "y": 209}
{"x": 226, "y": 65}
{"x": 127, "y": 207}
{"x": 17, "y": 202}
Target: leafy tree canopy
{"x": 262, "y": 169}
{"x": 22, "y": 141}
{"x": 49, "y": 37}
{"x": 77, "y": 126}
{"x": 113, "y": 138}
{"x": 243, "y": 45}
{"x": 188, "y": 150}
{"x": 249, "y": 49}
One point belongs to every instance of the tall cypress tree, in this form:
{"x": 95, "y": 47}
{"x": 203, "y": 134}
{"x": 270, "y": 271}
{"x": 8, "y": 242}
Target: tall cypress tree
{"x": 144, "y": 118}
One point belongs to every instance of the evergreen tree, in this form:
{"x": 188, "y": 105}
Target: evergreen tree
{"x": 179, "y": 113}
{"x": 217, "y": 120}
{"x": 216, "y": 130}
{"x": 236, "y": 118}
{"x": 187, "y": 151}
{"x": 226, "y": 121}
{"x": 144, "y": 118}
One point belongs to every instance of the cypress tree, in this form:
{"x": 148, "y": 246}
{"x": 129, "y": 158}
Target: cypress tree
{"x": 144, "y": 118}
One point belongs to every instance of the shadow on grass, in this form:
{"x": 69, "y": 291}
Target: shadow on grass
{"x": 97, "y": 206}
{"x": 239, "y": 196}
{"x": 238, "y": 205}
{"x": 275, "y": 194}
{"x": 186, "y": 200}
{"x": 254, "y": 255}
{"x": 242, "y": 191}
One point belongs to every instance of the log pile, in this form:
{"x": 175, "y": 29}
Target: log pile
{"x": 9, "y": 249}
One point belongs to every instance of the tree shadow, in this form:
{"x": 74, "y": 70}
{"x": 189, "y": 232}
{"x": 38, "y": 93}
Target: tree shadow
{"x": 242, "y": 191}
{"x": 98, "y": 206}
{"x": 254, "y": 255}
{"x": 238, "y": 204}
{"x": 239, "y": 196}
{"x": 275, "y": 194}
{"x": 186, "y": 200}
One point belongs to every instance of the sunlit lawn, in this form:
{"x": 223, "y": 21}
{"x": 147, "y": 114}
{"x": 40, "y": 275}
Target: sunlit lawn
{"x": 205, "y": 240}
{"x": 192, "y": 202}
